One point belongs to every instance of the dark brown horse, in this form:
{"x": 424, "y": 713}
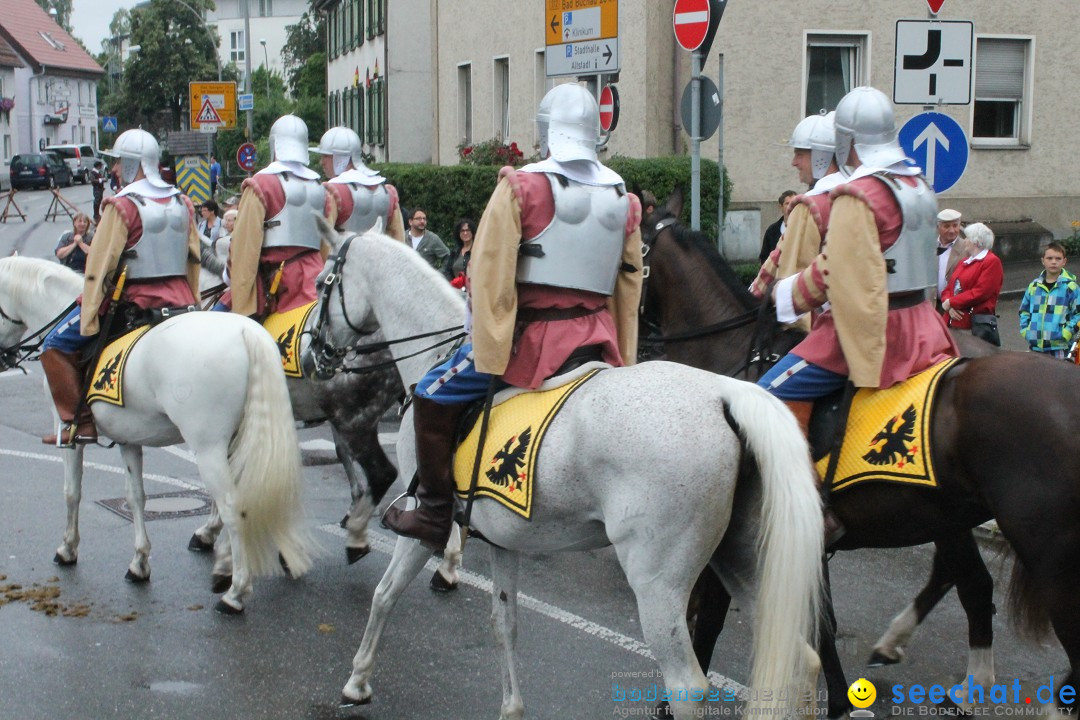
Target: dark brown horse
{"x": 988, "y": 465}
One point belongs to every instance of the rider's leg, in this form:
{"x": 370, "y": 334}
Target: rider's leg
{"x": 438, "y": 403}
{"x": 60, "y": 356}
{"x": 798, "y": 383}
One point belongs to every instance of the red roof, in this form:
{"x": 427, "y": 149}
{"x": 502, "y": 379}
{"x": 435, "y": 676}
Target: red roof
{"x": 41, "y": 41}
{"x": 8, "y": 58}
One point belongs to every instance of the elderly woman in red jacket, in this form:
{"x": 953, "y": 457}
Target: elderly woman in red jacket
{"x": 974, "y": 286}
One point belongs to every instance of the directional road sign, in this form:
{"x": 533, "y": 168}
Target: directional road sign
{"x": 245, "y": 157}
{"x": 245, "y": 101}
{"x": 938, "y": 145}
{"x": 209, "y": 99}
{"x": 582, "y": 37}
{"x": 108, "y": 124}
{"x": 933, "y": 62}
{"x": 609, "y": 108}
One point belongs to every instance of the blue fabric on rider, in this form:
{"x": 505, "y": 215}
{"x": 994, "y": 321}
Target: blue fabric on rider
{"x": 66, "y": 336}
{"x": 796, "y": 379}
{"x": 455, "y": 380}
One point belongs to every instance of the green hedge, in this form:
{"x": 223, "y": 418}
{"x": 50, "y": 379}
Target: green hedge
{"x": 448, "y": 192}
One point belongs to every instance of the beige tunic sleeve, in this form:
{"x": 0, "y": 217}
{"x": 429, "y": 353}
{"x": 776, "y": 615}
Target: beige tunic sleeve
{"x": 109, "y": 242}
{"x": 492, "y": 273}
{"x": 244, "y": 252}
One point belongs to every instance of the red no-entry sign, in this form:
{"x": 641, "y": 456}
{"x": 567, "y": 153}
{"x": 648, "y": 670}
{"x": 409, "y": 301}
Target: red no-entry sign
{"x": 691, "y": 21}
{"x": 609, "y": 108}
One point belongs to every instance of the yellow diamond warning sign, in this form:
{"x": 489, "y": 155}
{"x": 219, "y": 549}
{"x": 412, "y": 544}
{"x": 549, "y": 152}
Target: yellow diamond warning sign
{"x": 213, "y": 104}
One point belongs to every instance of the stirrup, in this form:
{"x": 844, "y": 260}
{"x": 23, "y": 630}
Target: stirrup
{"x": 392, "y": 503}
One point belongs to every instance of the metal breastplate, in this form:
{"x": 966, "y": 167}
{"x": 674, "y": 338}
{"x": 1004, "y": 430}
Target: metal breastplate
{"x": 369, "y": 204}
{"x": 162, "y": 251}
{"x": 911, "y": 261}
{"x": 294, "y": 225}
{"x": 582, "y": 247}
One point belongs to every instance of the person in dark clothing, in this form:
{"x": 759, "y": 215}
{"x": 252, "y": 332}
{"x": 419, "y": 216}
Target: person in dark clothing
{"x": 97, "y": 183}
{"x": 774, "y": 231}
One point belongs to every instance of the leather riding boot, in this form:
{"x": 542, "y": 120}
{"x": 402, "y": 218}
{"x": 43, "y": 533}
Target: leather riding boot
{"x": 65, "y": 384}
{"x": 834, "y": 529}
{"x": 430, "y": 523}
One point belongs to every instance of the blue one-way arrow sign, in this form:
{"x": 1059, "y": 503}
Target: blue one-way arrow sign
{"x": 938, "y": 145}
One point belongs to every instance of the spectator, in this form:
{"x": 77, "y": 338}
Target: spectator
{"x": 464, "y": 232}
{"x": 209, "y": 223}
{"x": 74, "y": 245}
{"x": 970, "y": 298}
{"x": 97, "y": 182}
{"x": 949, "y": 252}
{"x": 1049, "y": 312}
{"x": 425, "y": 242}
{"x": 786, "y": 201}
{"x": 215, "y": 173}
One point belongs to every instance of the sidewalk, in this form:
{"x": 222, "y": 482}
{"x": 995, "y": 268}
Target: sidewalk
{"x": 1019, "y": 274}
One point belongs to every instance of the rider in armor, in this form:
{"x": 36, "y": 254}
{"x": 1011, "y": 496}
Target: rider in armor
{"x": 356, "y": 196}
{"x": 276, "y": 244}
{"x": 876, "y": 269}
{"x": 150, "y": 227}
{"x": 570, "y": 230}
{"x": 814, "y": 146}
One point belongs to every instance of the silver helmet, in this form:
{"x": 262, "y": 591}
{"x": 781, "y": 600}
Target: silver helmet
{"x": 574, "y": 123}
{"x": 344, "y": 145}
{"x": 543, "y": 117}
{"x": 138, "y": 148}
{"x": 865, "y": 122}
{"x": 816, "y": 133}
{"x": 289, "y": 140}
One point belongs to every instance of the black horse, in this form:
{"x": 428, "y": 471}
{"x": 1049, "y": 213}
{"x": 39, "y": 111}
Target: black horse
{"x": 1028, "y": 481}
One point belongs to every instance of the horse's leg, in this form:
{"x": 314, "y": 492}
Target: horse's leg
{"x": 836, "y": 685}
{"x": 407, "y": 562}
{"x": 712, "y": 602}
{"x": 203, "y": 539}
{"x": 139, "y": 569}
{"x": 361, "y": 508}
{"x": 221, "y": 574}
{"x": 68, "y": 552}
{"x": 504, "y": 577}
{"x": 213, "y": 463}
{"x": 446, "y": 578}
{"x": 975, "y": 587}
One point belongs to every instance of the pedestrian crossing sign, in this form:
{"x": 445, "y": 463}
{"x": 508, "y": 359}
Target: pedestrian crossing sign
{"x": 212, "y": 105}
{"x": 208, "y": 114}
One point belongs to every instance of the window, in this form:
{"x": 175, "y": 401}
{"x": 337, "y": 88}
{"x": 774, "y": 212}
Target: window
{"x": 236, "y": 46}
{"x": 358, "y": 21}
{"x": 376, "y": 112}
{"x": 834, "y": 65}
{"x": 7, "y": 148}
{"x": 464, "y": 103}
{"x": 502, "y": 98}
{"x": 541, "y": 85}
{"x": 1002, "y": 91}
{"x": 358, "y": 112}
{"x": 376, "y": 17}
{"x": 266, "y": 8}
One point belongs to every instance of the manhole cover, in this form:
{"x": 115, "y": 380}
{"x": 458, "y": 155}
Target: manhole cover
{"x": 164, "y": 506}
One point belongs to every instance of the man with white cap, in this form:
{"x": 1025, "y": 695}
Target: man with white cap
{"x": 275, "y": 253}
{"x": 876, "y": 270}
{"x": 555, "y": 269}
{"x": 152, "y": 225}
{"x": 948, "y": 252}
{"x": 356, "y": 196}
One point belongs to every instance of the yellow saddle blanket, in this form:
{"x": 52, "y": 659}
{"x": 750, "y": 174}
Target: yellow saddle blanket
{"x": 107, "y": 384}
{"x": 515, "y": 432}
{"x": 286, "y": 328}
{"x": 888, "y": 434}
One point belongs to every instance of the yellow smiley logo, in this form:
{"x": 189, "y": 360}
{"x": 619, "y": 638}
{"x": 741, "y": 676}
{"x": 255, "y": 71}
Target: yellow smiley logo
{"x": 862, "y": 693}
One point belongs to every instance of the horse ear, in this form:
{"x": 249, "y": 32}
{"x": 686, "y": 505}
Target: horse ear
{"x": 674, "y": 202}
{"x": 327, "y": 231}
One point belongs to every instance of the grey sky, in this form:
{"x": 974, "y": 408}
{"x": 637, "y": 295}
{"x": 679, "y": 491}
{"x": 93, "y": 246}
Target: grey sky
{"x": 90, "y": 20}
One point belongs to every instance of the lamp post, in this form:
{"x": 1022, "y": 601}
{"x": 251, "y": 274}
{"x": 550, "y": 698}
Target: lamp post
{"x": 266, "y": 68}
{"x": 209, "y": 34}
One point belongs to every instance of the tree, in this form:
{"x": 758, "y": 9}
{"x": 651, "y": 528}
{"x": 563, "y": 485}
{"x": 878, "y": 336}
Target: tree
{"x": 63, "y": 11}
{"x": 305, "y": 46}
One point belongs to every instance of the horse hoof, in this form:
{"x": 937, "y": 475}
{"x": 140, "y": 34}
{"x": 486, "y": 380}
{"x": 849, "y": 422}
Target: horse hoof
{"x": 878, "y": 659}
{"x": 220, "y": 583}
{"x": 348, "y": 702}
{"x": 440, "y": 584}
{"x": 197, "y": 544}
{"x": 58, "y": 559}
{"x": 133, "y": 578}
{"x": 352, "y": 554}
{"x": 226, "y": 609}
{"x": 344, "y": 521}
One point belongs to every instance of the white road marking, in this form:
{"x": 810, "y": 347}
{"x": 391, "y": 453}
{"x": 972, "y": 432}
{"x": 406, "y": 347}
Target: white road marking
{"x": 14, "y": 373}
{"x": 176, "y": 482}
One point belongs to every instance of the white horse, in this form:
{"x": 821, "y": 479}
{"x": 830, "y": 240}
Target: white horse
{"x": 352, "y": 403}
{"x": 212, "y": 380}
{"x": 648, "y": 459}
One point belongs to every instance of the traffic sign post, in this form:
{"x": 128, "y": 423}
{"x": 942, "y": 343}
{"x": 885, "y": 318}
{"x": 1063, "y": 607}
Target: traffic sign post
{"x": 933, "y": 62}
{"x": 609, "y": 108}
{"x": 212, "y": 104}
{"x": 582, "y": 37}
{"x": 938, "y": 145}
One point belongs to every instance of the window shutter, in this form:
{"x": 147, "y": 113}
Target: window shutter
{"x": 1000, "y": 69}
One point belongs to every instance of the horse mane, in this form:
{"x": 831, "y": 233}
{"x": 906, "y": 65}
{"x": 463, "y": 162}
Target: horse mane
{"x": 26, "y": 278}
{"x": 414, "y": 268}
{"x": 697, "y": 241}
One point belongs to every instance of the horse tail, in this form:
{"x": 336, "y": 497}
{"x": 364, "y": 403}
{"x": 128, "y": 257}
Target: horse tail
{"x": 264, "y": 456}
{"x": 790, "y": 538}
{"x": 1025, "y": 601}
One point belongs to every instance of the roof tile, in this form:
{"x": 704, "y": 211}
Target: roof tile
{"x": 39, "y": 39}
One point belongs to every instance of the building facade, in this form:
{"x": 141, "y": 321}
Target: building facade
{"x": 268, "y": 20}
{"x": 781, "y": 61}
{"x": 55, "y": 88}
{"x": 9, "y": 128}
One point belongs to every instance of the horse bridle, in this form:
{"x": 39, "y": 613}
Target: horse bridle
{"x": 327, "y": 359}
{"x": 12, "y": 357}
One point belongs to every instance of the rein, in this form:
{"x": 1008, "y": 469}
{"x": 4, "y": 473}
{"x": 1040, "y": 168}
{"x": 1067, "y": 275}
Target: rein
{"x": 14, "y": 356}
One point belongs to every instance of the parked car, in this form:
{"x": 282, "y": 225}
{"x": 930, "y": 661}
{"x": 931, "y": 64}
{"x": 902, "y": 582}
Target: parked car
{"x": 44, "y": 170}
{"x": 79, "y": 158}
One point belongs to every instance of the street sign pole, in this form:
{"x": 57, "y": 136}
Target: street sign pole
{"x": 695, "y": 140}
{"x": 720, "y": 158}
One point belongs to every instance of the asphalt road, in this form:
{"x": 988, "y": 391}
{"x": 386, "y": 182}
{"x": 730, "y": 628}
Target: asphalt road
{"x": 159, "y": 650}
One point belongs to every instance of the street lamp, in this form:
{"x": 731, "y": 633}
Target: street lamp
{"x": 266, "y": 68}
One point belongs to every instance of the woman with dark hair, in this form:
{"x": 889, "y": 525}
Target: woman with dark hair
{"x": 464, "y": 232}
{"x": 209, "y": 226}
